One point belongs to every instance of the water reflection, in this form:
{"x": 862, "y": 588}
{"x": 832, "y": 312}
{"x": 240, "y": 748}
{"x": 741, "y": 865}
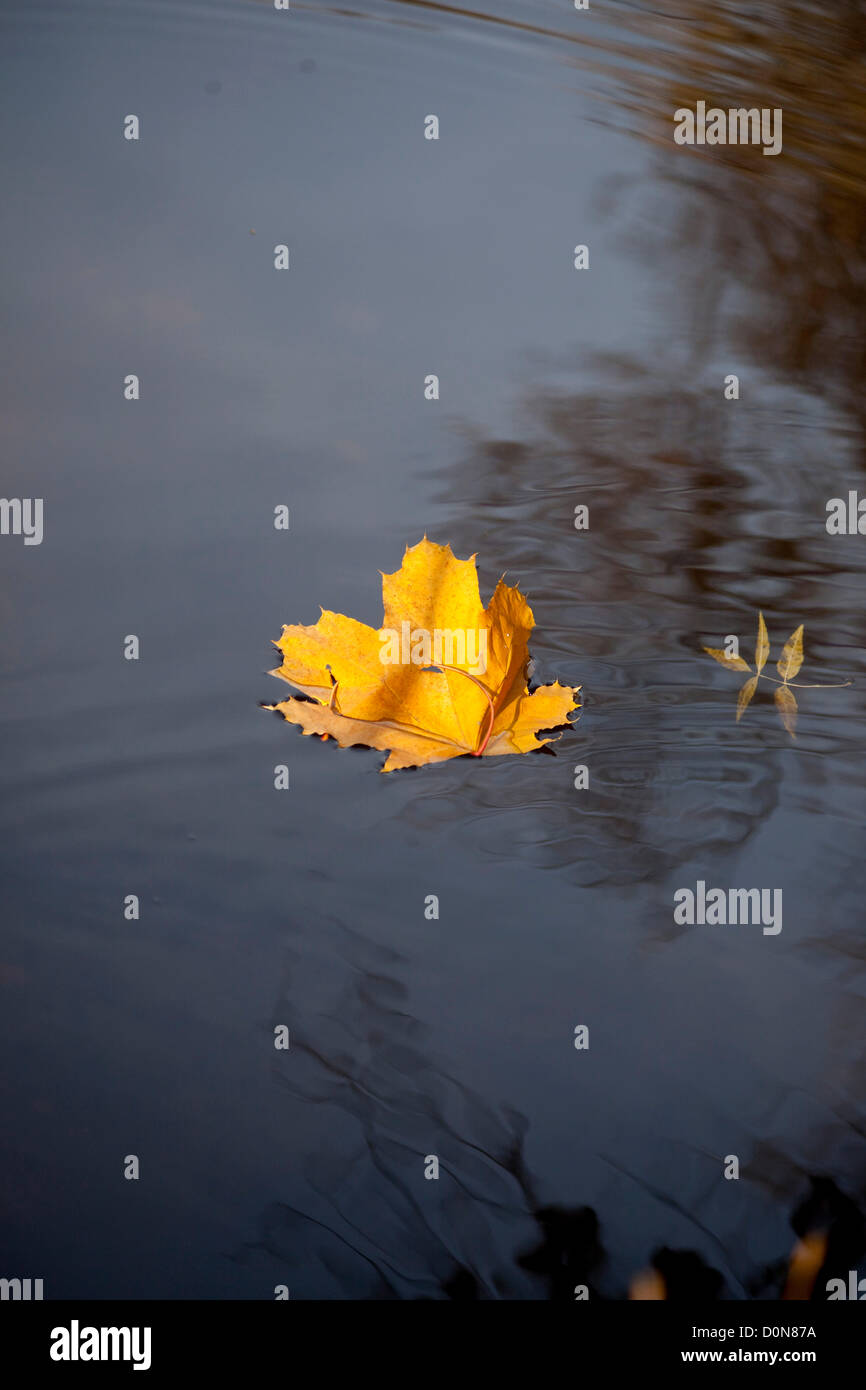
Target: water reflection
{"x": 368, "y": 1222}
{"x": 785, "y": 236}
{"x": 683, "y": 545}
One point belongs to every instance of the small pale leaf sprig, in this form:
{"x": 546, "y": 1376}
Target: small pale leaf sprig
{"x": 788, "y": 665}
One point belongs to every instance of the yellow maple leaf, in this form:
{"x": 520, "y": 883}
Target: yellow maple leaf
{"x": 393, "y": 688}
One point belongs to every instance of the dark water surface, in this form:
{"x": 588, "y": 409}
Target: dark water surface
{"x": 306, "y": 907}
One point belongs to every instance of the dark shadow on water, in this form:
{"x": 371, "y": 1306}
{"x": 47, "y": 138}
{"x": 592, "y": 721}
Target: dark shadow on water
{"x": 364, "y": 1223}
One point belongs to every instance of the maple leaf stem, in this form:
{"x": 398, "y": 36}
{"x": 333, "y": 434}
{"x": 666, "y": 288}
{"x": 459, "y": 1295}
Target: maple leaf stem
{"x": 335, "y": 685}
{"x": 442, "y": 666}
